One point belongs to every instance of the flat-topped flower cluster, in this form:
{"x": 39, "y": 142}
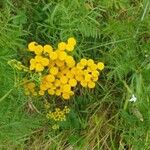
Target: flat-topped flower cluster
{"x": 61, "y": 73}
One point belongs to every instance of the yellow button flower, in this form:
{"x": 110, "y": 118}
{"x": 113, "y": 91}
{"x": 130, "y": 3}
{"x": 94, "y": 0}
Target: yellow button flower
{"x": 87, "y": 77}
{"x": 50, "y": 85}
{"x": 59, "y": 74}
{"x": 64, "y": 70}
{"x": 62, "y": 46}
{"x": 72, "y": 41}
{"x": 90, "y": 62}
{"x": 91, "y": 84}
{"x": 39, "y": 67}
{"x": 94, "y": 79}
{"x": 38, "y": 58}
{"x": 70, "y": 61}
{"x": 85, "y": 72}
{"x": 71, "y": 93}
{"x": 83, "y": 83}
{"x": 63, "y": 79}
{"x": 51, "y": 92}
{"x": 79, "y": 77}
{"x": 45, "y": 62}
{"x": 70, "y": 75}
{"x": 72, "y": 82}
{"x": 66, "y": 96}
{"x": 74, "y": 70}
{"x": 88, "y": 69}
{"x": 80, "y": 71}
{"x": 62, "y": 55}
{"x": 32, "y": 64}
{"x": 57, "y": 83}
{"x": 38, "y": 50}
{"x": 41, "y": 92}
{"x": 51, "y": 63}
{"x": 32, "y": 46}
{"x": 50, "y": 78}
{"x": 43, "y": 87}
{"x": 53, "y": 87}
{"x": 40, "y": 62}
{"x": 71, "y": 64}
{"x": 95, "y": 73}
{"x": 93, "y": 67}
{"x": 80, "y": 66}
{"x": 48, "y": 49}
{"x": 100, "y": 66}
{"x": 58, "y": 92}
{"x": 59, "y": 63}
{"x": 66, "y": 88}
{"x": 54, "y": 70}
{"x": 32, "y": 61}
{"x": 53, "y": 55}
{"x": 83, "y": 62}
{"x": 69, "y": 47}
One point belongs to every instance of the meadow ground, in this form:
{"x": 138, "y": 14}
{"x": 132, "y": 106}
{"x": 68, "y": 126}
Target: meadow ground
{"x": 116, "y": 32}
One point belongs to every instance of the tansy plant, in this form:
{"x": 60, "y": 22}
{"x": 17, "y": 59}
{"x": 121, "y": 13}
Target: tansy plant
{"x": 60, "y": 74}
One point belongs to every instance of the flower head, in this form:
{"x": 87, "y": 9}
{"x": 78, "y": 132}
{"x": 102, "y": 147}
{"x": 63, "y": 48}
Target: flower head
{"x": 62, "y": 46}
{"x": 72, "y": 41}
{"x": 100, "y": 66}
{"x": 48, "y": 49}
{"x": 32, "y": 46}
{"x": 54, "y": 70}
{"x": 53, "y": 55}
{"x": 38, "y": 63}
{"x": 61, "y": 73}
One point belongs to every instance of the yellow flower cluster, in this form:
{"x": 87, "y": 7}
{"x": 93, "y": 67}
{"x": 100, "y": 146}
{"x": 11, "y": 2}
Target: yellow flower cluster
{"x": 58, "y": 114}
{"x": 38, "y": 63}
{"x": 58, "y": 57}
{"x": 30, "y": 88}
{"x": 55, "y": 127}
{"x": 63, "y": 73}
{"x": 87, "y": 72}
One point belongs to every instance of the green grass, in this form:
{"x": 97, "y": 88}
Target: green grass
{"x": 116, "y": 32}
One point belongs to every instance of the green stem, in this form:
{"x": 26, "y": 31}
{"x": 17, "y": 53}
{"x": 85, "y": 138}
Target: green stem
{"x": 3, "y": 97}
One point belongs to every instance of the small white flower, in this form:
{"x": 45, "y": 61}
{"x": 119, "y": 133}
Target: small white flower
{"x": 133, "y": 98}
